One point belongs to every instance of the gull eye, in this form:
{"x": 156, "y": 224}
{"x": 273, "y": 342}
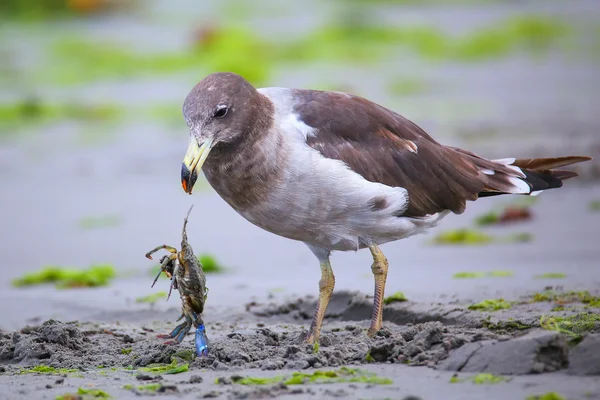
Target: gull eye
{"x": 221, "y": 111}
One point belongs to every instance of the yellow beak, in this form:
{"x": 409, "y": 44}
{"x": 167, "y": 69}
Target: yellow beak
{"x": 192, "y": 163}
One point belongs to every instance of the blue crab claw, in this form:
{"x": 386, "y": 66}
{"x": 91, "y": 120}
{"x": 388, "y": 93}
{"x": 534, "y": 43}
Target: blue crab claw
{"x": 201, "y": 341}
{"x": 178, "y": 334}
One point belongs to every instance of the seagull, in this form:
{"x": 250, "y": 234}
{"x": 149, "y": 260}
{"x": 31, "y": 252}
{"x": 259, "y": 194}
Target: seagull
{"x": 338, "y": 172}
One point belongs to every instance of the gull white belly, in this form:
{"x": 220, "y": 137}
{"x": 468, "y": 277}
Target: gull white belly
{"x": 324, "y": 203}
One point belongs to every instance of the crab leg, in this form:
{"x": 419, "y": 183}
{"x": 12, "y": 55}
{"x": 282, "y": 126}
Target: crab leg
{"x": 178, "y": 334}
{"x": 170, "y": 249}
{"x": 201, "y": 341}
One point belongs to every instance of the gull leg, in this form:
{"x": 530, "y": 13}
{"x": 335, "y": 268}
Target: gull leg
{"x": 380, "y": 269}
{"x": 326, "y": 285}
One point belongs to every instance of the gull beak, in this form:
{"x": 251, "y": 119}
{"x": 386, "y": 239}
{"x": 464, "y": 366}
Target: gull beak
{"x": 192, "y": 163}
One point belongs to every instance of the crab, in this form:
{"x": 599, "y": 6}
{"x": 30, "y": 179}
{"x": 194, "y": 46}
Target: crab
{"x": 187, "y": 277}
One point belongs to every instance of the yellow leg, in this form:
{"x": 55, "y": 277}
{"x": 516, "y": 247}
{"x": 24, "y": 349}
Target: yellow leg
{"x": 326, "y": 285}
{"x": 380, "y": 269}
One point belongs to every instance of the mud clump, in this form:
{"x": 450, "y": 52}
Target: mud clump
{"x": 278, "y": 348}
{"x": 533, "y": 353}
{"x": 68, "y": 345}
{"x": 39, "y": 343}
{"x": 356, "y": 306}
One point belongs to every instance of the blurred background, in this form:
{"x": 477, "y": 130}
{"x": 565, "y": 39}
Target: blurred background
{"x": 92, "y": 138}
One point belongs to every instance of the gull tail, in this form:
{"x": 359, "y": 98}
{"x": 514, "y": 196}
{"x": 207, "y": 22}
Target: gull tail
{"x": 527, "y": 176}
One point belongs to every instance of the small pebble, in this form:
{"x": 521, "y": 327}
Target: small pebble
{"x": 220, "y": 366}
{"x": 59, "y": 381}
{"x": 223, "y": 380}
{"x": 167, "y": 389}
{"x": 48, "y": 386}
{"x": 144, "y": 377}
{"x": 211, "y": 394}
{"x": 196, "y": 379}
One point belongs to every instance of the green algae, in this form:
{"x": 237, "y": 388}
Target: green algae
{"x": 551, "y": 275}
{"x": 471, "y": 237}
{"x": 76, "y": 61}
{"x": 95, "y": 393}
{"x": 149, "y": 388}
{"x": 85, "y": 394}
{"x": 500, "y": 274}
{"x": 594, "y": 205}
{"x": 462, "y": 237}
{"x": 104, "y": 221}
{"x": 33, "y": 112}
{"x": 486, "y": 379}
{"x": 126, "y": 351}
{"x": 509, "y": 325}
{"x": 567, "y": 297}
{"x": 185, "y": 355}
{"x": 96, "y": 275}
{"x": 37, "y": 11}
{"x": 151, "y": 298}
{"x": 480, "y": 379}
{"x": 528, "y": 34}
{"x": 574, "y": 326}
{"x": 496, "y": 215}
{"x": 357, "y": 41}
{"x": 226, "y": 48}
{"x": 210, "y": 264}
{"x": 489, "y": 274}
{"x": 45, "y": 369}
{"x": 343, "y": 374}
{"x": 489, "y": 218}
{"x": 229, "y": 47}
{"x": 316, "y": 347}
{"x": 34, "y": 10}
{"x": 468, "y": 275}
{"x": 395, "y": 298}
{"x": 546, "y": 396}
{"x": 491, "y": 305}
{"x": 168, "y": 369}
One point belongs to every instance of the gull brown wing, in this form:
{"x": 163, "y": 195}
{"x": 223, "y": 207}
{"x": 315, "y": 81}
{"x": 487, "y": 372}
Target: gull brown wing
{"x": 384, "y": 147}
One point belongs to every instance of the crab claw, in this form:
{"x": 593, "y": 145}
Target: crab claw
{"x": 201, "y": 341}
